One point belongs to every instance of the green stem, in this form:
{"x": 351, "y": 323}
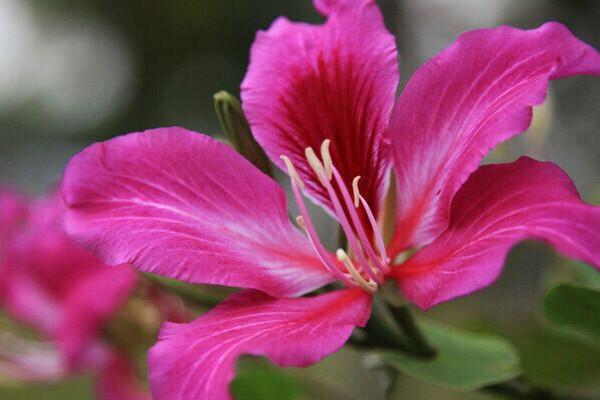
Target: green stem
{"x": 418, "y": 342}
{"x": 381, "y": 330}
{"x": 386, "y": 330}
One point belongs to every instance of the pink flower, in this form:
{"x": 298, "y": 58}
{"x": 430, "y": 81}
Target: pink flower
{"x": 185, "y": 206}
{"x": 63, "y": 292}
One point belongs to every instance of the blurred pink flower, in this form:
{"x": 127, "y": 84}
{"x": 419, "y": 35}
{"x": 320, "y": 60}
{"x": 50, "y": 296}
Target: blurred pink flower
{"x": 65, "y": 293}
{"x": 185, "y": 206}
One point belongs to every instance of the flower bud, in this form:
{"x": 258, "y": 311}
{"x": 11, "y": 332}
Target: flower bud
{"x": 234, "y": 124}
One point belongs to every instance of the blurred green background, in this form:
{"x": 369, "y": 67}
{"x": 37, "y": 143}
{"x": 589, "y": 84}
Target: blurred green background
{"x": 77, "y": 71}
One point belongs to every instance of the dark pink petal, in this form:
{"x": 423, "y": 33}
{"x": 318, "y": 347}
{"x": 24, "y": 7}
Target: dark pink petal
{"x": 497, "y": 207}
{"x": 117, "y": 381}
{"x": 307, "y": 83}
{"x": 197, "y": 360}
{"x": 40, "y": 267}
{"x": 182, "y": 205}
{"x": 89, "y": 306}
{"x": 470, "y": 97}
{"x": 27, "y": 300}
{"x": 23, "y": 295}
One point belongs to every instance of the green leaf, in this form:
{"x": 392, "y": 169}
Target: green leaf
{"x": 574, "y": 306}
{"x": 545, "y": 355}
{"x": 464, "y": 361}
{"x": 258, "y": 382}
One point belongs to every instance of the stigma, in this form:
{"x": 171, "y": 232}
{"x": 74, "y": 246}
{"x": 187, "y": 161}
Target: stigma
{"x": 365, "y": 262}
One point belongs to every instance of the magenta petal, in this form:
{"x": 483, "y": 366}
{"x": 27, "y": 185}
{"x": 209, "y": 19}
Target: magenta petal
{"x": 197, "y": 360}
{"x": 88, "y": 306}
{"x": 185, "y": 206}
{"x": 26, "y": 300}
{"x": 470, "y": 97}
{"x": 497, "y": 207}
{"x": 307, "y": 83}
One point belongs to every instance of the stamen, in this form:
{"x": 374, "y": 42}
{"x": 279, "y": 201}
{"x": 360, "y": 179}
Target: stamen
{"x": 292, "y": 171}
{"x": 369, "y": 286}
{"x": 326, "y": 156}
{"x": 315, "y": 164}
{"x": 305, "y": 223}
{"x": 367, "y": 268}
{"x": 357, "y": 223}
{"x": 355, "y": 189}
{"x": 377, "y": 234}
{"x": 345, "y": 224}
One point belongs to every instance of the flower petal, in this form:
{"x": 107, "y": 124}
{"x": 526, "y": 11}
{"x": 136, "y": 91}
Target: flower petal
{"x": 197, "y": 360}
{"x": 89, "y": 306}
{"x": 307, "y": 83}
{"x": 497, "y": 207}
{"x": 458, "y": 106}
{"x": 26, "y": 299}
{"x": 182, "y": 205}
{"x": 41, "y": 268}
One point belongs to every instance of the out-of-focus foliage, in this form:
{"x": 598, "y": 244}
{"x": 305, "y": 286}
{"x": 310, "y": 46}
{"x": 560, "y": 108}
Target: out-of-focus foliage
{"x": 464, "y": 361}
{"x": 575, "y": 307}
{"x": 80, "y": 389}
{"x": 260, "y": 382}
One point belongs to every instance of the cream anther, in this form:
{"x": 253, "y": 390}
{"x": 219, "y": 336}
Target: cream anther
{"x": 301, "y": 223}
{"x": 326, "y": 157}
{"x": 315, "y": 164}
{"x": 369, "y": 286}
{"x": 292, "y": 171}
{"x": 356, "y": 192}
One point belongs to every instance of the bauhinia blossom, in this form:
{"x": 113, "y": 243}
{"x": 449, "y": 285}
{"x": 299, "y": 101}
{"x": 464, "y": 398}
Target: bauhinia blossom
{"x": 66, "y": 294}
{"x": 319, "y": 100}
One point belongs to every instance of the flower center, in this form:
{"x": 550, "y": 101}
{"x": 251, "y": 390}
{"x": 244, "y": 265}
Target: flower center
{"x": 363, "y": 267}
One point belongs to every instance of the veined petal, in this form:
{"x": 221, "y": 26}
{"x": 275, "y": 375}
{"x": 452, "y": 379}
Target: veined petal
{"x": 497, "y": 207}
{"x": 307, "y": 83}
{"x": 185, "y": 206}
{"x": 197, "y": 360}
{"x": 88, "y": 306}
{"x": 458, "y": 106}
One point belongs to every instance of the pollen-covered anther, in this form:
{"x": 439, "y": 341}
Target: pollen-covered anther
{"x": 292, "y": 171}
{"x": 356, "y": 191}
{"x": 368, "y": 285}
{"x": 326, "y": 157}
{"x": 301, "y": 223}
{"x": 315, "y": 164}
